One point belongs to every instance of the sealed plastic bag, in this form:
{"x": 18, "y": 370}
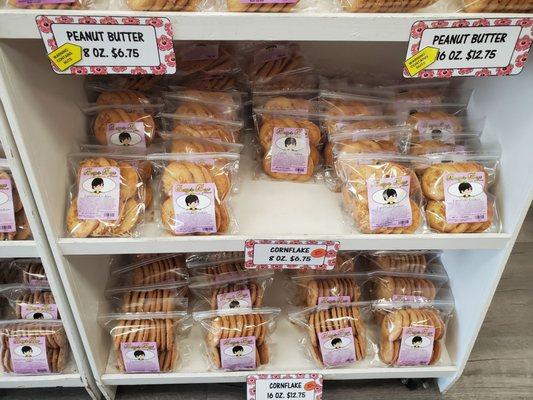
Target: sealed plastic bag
{"x": 334, "y": 125}
{"x": 209, "y": 58}
{"x": 107, "y": 196}
{"x": 264, "y": 6}
{"x": 336, "y": 333}
{"x": 389, "y": 6}
{"x": 162, "y": 268}
{"x": 13, "y": 222}
{"x": 34, "y": 348}
{"x": 336, "y": 104}
{"x": 153, "y": 5}
{"x": 458, "y": 143}
{"x": 229, "y": 291}
{"x": 220, "y": 105}
{"x": 238, "y": 339}
{"x": 30, "y": 301}
{"x": 487, "y": 6}
{"x": 29, "y": 271}
{"x": 147, "y": 342}
{"x": 412, "y": 333}
{"x": 176, "y": 143}
{"x": 327, "y": 288}
{"x": 203, "y": 127}
{"x": 215, "y": 264}
{"x": 206, "y": 81}
{"x": 410, "y": 261}
{"x": 194, "y": 192}
{"x": 381, "y": 192}
{"x": 52, "y": 4}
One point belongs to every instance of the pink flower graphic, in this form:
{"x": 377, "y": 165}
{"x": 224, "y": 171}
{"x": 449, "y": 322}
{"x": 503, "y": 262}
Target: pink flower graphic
{"x": 87, "y": 20}
{"x": 461, "y": 23}
{"x": 44, "y": 24}
{"x": 505, "y": 71}
{"x": 251, "y": 380}
{"x": 525, "y": 22}
{"x": 439, "y": 24}
{"x": 108, "y": 21}
{"x": 418, "y": 29}
{"x": 131, "y": 21}
{"x": 139, "y": 71}
{"x": 444, "y": 73}
{"x": 168, "y": 29}
{"x": 119, "y": 69}
{"x": 521, "y": 60}
{"x": 79, "y": 71}
{"x": 164, "y": 43}
{"x": 481, "y": 22}
{"x": 502, "y": 22}
{"x": 155, "y": 22}
{"x": 524, "y": 43}
{"x": 427, "y": 74}
{"x": 415, "y": 48}
{"x": 465, "y": 71}
{"x": 64, "y": 20}
{"x": 98, "y": 70}
{"x": 159, "y": 70}
{"x": 52, "y": 44}
{"x": 483, "y": 72}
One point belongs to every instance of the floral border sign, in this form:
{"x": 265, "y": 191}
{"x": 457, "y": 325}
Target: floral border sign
{"x": 284, "y": 386}
{"x": 84, "y": 45}
{"x": 468, "y": 47}
{"x": 290, "y": 254}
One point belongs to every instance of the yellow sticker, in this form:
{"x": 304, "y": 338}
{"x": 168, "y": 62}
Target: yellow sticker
{"x": 421, "y": 60}
{"x": 65, "y": 56}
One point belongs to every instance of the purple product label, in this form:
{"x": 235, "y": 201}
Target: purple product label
{"x": 268, "y": 1}
{"x": 416, "y": 347}
{"x": 389, "y": 205}
{"x": 333, "y": 300}
{"x": 271, "y": 53}
{"x": 38, "y": 311}
{"x": 237, "y": 354}
{"x": 28, "y": 355}
{"x": 126, "y": 134}
{"x": 199, "y": 52}
{"x": 140, "y": 356}
{"x": 404, "y": 297}
{"x": 7, "y": 210}
{"x": 436, "y": 129}
{"x": 290, "y": 150}
{"x": 99, "y": 193}
{"x": 237, "y": 299}
{"x": 413, "y": 105}
{"x": 30, "y": 2}
{"x": 194, "y": 208}
{"x": 337, "y": 347}
{"x": 38, "y": 282}
{"x": 465, "y": 199}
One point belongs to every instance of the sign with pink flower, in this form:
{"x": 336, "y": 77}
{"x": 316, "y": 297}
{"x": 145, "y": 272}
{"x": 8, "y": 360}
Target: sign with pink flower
{"x": 290, "y": 254}
{"x": 287, "y": 385}
{"x": 108, "y": 45}
{"x": 471, "y": 47}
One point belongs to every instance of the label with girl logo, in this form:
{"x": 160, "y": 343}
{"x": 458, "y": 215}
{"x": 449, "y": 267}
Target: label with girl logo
{"x": 7, "y": 210}
{"x": 237, "y": 299}
{"x": 38, "y": 311}
{"x": 436, "y": 129}
{"x": 238, "y": 353}
{"x": 337, "y": 347}
{"x": 126, "y": 134}
{"x": 140, "y": 356}
{"x": 464, "y": 197}
{"x": 28, "y": 355}
{"x": 389, "y": 205}
{"x": 99, "y": 193}
{"x": 194, "y": 208}
{"x": 333, "y": 300}
{"x": 416, "y": 347}
{"x": 290, "y": 150}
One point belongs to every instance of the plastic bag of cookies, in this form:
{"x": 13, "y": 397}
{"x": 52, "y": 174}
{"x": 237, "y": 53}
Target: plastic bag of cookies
{"x": 148, "y": 85}
{"x": 419, "y": 96}
{"x": 29, "y": 271}
{"x": 107, "y": 197}
{"x": 344, "y": 104}
{"x": 381, "y": 192}
{"x": 195, "y": 190}
{"x": 289, "y": 141}
{"x": 409, "y": 261}
{"x": 335, "y": 124}
{"x": 303, "y": 100}
{"x": 147, "y": 342}
{"x": 202, "y": 127}
{"x": 328, "y": 288}
{"x": 13, "y": 221}
{"x": 509, "y": 6}
{"x": 440, "y": 142}
{"x": 209, "y": 58}
{"x": 386, "y": 6}
{"x": 163, "y": 5}
{"x": 162, "y": 268}
{"x": 413, "y": 333}
{"x": 217, "y": 82}
{"x": 238, "y": 339}
{"x": 298, "y": 82}
{"x": 456, "y": 187}
{"x": 215, "y": 265}
{"x": 244, "y": 289}
{"x": 274, "y": 6}
{"x": 30, "y": 301}
{"x": 337, "y": 335}
{"x": 52, "y": 4}
{"x": 346, "y": 262}
{"x": 177, "y": 143}
{"x": 34, "y": 347}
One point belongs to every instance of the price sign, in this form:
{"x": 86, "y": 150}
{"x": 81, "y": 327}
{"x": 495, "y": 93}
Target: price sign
{"x": 468, "y": 47}
{"x": 284, "y": 386}
{"x": 85, "y": 45}
{"x": 290, "y": 254}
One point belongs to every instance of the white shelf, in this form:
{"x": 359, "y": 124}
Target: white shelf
{"x": 18, "y": 248}
{"x": 44, "y": 381}
{"x": 20, "y": 24}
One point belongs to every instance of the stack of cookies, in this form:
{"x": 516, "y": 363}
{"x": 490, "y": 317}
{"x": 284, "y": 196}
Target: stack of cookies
{"x": 29, "y": 271}
{"x": 16, "y": 227}
{"x": 212, "y": 265}
{"x": 327, "y": 288}
{"x": 153, "y": 5}
{"x": 386, "y": 6}
{"x": 414, "y": 262}
{"x": 151, "y": 269}
{"x": 250, "y": 6}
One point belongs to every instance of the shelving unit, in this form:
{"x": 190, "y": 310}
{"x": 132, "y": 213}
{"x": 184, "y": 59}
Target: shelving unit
{"x": 42, "y": 109}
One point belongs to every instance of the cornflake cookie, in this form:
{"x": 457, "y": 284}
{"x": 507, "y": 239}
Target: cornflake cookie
{"x": 391, "y": 287}
{"x": 410, "y": 262}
